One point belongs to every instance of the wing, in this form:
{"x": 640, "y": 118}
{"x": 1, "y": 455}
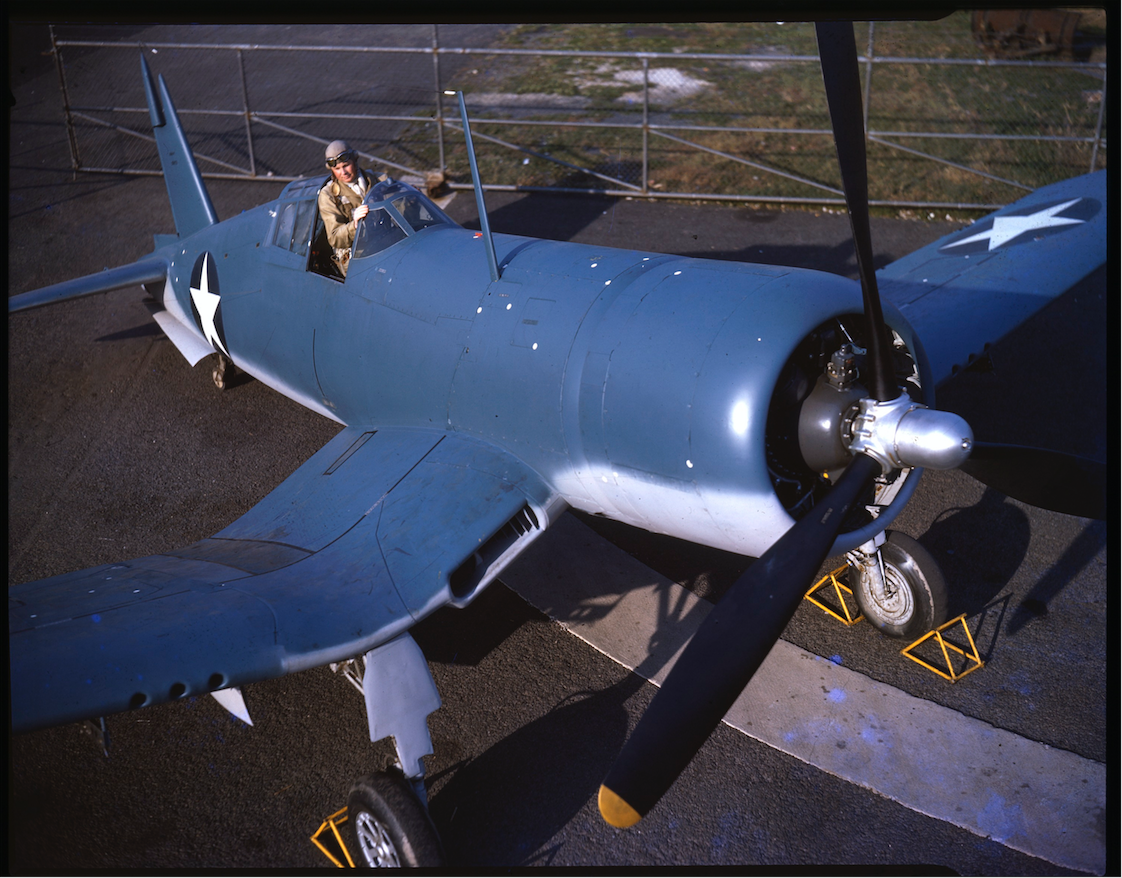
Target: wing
{"x": 1000, "y": 270}
{"x": 373, "y": 532}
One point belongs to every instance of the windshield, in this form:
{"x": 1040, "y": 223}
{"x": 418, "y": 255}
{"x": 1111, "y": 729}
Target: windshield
{"x": 377, "y": 232}
{"x": 418, "y": 211}
{"x": 396, "y": 211}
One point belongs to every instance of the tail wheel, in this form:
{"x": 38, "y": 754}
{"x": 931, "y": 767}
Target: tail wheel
{"x": 914, "y": 600}
{"x": 391, "y": 825}
{"x": 223, "y": 371}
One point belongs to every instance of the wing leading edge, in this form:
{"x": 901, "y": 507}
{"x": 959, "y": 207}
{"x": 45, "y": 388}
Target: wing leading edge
{"x": 373, "y": 532}
{"x": 1000, "y": 271}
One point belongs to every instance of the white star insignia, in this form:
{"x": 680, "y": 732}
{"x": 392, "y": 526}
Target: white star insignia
{"x": 207, "y": 304}
{"x": 1006, "y": 228}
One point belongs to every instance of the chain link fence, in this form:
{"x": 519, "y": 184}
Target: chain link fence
{"x": 966, "y": 112}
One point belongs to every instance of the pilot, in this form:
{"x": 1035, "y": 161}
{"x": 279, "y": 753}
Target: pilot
{"x": 340, "y": 200}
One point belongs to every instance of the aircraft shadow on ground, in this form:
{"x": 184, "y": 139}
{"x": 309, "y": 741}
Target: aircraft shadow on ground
{"x": 705, "y": 571}
{"x": 466, "y": 636}
{"x": 840, "y": 258}
{"x": 564, "y": 216}
{"x": 1088, "y": 544}
{"x": 151, "y": 329}
{"x": 978, "y": 569}
{"x": 557, "y": 217}
{"x": 500, "y": 808}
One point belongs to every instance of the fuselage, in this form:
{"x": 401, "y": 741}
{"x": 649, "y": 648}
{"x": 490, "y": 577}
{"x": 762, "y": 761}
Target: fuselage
{"x": 636, "y": 384}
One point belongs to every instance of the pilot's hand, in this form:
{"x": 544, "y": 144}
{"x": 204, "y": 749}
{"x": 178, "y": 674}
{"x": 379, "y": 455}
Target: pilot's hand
{"x": 360, "y": 212}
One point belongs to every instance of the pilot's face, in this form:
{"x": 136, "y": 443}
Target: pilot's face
{"x": 345, "y": 171}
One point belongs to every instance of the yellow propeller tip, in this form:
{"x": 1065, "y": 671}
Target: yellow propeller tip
{"x": 615, "y": 811}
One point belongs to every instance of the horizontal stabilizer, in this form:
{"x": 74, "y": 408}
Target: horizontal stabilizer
{"x": 968, "y": 289}
{"x": 147, "y": 272}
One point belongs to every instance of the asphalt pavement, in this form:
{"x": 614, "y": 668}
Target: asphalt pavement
{"x": 117, "y": 449}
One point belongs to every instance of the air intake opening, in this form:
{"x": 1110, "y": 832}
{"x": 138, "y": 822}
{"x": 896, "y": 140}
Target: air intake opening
{"x": 473, "y": 571}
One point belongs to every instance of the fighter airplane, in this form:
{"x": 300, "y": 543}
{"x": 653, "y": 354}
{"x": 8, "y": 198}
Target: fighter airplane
{"x": 486, "y": 383}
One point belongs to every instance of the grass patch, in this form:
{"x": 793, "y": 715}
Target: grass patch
{"x": 769, "y": 90}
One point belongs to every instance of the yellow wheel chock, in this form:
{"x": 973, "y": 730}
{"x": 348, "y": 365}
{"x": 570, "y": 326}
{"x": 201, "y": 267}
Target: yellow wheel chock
{"x": 970, "y": 654}
{"x": 334, "y": 821}
{"x": 973, "y": 661}
{"x": 832, "y": 577}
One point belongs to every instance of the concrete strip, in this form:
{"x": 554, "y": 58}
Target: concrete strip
{"x": 1041, "y": 801}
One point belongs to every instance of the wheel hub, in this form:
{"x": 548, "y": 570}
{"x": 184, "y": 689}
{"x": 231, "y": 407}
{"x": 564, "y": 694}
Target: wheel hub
{"x": 377, "y": 849}
{"x": 894, "y": 605}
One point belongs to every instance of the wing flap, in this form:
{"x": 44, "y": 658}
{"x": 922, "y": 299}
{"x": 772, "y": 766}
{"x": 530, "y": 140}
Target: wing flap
{"x": 967, "y": 290}
{"x": 348, "y": 552}
{"x": 186, "y": 342}
{"x": 251, "y": 556}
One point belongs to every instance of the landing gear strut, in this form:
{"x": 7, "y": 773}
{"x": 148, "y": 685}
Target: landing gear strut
{"x": 388, "y": 810}
{"x": 898, "y": 585}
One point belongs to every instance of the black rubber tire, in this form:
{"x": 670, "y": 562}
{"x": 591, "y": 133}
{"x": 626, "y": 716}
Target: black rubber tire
{"x": 390, "y": 826}
{"x": 908, "y": 565}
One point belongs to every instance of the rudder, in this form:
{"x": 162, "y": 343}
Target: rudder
{"x": 190, "y": 202}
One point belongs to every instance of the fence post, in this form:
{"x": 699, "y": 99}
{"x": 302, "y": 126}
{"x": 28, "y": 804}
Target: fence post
{"x": 1098, "y": 128}
{"x": 439, "y": 102}
{"x": 646, "y": 126}
{"x": 246, "y": 113}
{"x": 71, "y": 135}
{"x": 868, "y": 77}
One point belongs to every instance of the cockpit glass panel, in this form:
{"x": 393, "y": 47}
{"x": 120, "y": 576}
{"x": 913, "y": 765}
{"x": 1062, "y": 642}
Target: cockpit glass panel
{"x": 376, "y": 232}
{"x": 285, "y": 224}
{"x": 294, "y": 226}
{"x": 382, "y": 228}
{"x": 418, "y": 212}
{"x": 302, "y": 231}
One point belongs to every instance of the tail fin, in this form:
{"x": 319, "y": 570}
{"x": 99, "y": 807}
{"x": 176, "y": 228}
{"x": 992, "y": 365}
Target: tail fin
{"x": 190, "y": 202}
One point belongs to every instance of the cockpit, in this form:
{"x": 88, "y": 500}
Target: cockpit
{"x": 397, "y": 210}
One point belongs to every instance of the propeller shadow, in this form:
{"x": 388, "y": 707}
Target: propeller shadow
{"x": 706, "y": 572}
{"x": 975, "y": 566}
{"x": 1088, "y": 544}
{"x": 500, "y": 807}
{"x": 503, "y": 806}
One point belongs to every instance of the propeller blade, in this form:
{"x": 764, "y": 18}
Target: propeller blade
{"x": 1040, "y": 477}
{"x": 737, "y": 635}
{"x": 740, "y": 631}
{"x": 724, "y": 653}
{"x": 838, "y": 52}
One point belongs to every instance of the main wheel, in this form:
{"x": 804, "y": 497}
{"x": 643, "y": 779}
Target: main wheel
{"x": 915, "y": 596}
{"x": 391, "y": 826}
